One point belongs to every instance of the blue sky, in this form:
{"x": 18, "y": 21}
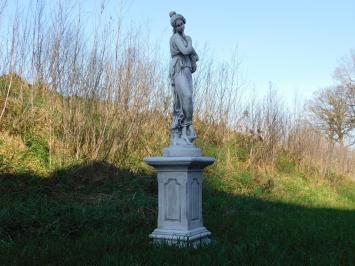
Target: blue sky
{"x": 294, "y": 44}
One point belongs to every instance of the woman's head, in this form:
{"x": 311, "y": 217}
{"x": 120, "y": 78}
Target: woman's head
{"x": 177, "y": 21}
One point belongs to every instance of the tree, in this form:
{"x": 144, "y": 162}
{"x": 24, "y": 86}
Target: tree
{"x": 345, "y": 75}
{"x": 330, "y": 112}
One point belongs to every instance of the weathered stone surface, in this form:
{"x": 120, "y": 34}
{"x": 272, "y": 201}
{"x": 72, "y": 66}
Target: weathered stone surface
{"x": 180, "y": 169}
{"x": 182, "y": 150}
{"x": 182, "y": 65}
{"x": 180, "y": 218}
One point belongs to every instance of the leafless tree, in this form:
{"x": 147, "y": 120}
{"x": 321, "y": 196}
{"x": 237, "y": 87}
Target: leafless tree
{"x": 345, "y": 75}
{"x": 330, "y": 113}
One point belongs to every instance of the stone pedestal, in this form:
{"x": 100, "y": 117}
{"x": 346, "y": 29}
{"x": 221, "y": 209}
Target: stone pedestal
{"x": 180, "y": 198}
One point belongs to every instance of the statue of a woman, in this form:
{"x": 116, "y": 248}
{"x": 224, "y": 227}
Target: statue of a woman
{"x": 182, "y": 65}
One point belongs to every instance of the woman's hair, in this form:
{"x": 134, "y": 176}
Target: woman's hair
{"x": 174, "y": 17}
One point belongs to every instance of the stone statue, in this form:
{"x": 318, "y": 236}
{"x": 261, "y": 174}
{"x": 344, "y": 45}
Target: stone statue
{"x": 179, "y": 170}
{"x": 182, "y": 65}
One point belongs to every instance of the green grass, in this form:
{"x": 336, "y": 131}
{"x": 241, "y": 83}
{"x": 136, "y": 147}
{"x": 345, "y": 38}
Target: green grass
{"x": 284, "y": 164}
{"x": 97, "y": 214}
{"x": 37, "y": 149}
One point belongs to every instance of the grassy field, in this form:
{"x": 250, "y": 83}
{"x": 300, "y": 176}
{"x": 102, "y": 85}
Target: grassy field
{"x": 79, "y": 110}
{"x": 96, "y": 214}
{"x": 57, "y": 208}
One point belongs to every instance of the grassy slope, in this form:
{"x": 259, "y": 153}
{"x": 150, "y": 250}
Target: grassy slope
{"x": 98, "y": 214}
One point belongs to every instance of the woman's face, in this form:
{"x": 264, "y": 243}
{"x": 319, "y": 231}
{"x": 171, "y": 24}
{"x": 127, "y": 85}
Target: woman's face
{"x": 179, "y": 26}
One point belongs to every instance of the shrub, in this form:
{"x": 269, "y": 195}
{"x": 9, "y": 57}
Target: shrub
{"x": 284, "y": 164}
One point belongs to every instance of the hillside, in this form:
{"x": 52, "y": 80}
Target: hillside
{"x": 98, "y": 208}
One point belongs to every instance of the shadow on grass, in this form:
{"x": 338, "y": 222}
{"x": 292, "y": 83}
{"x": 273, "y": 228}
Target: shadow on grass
{"x": 99, "y": 215}
{"x": 96, "y": 176}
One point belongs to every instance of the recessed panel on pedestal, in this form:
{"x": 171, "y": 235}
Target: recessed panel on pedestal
{"x": 172, "y": 200}
{"x": 195, "y": 199}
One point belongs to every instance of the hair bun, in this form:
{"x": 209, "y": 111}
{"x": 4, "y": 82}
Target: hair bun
{"x": 172, "y": 13}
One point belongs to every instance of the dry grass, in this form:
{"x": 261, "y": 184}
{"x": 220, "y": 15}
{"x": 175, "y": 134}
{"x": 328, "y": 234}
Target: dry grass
{"x": 106, "y": 97}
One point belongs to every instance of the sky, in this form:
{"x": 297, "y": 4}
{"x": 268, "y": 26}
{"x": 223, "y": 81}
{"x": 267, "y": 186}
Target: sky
{"x": 296, "y": 45}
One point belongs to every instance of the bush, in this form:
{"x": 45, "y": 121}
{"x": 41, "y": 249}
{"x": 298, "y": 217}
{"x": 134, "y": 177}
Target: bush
{"x": 38, "y": 148}
{"x": 284, "y": 164}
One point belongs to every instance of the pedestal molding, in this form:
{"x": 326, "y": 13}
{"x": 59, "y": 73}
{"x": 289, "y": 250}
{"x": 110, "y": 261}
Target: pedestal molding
{"x": 180, "y": 199}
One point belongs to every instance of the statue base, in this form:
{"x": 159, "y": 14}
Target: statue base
{"x": 180, "y": 220}
{"x": 182, "y": 150}
{"x": 193, "y": 238}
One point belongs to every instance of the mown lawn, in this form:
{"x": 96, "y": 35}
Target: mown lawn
{"x": 100, "y": 215}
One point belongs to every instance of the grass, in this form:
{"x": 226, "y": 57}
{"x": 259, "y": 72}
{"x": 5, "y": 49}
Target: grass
{"x": 96, "y": 214}
{"x": 68, "y": 212}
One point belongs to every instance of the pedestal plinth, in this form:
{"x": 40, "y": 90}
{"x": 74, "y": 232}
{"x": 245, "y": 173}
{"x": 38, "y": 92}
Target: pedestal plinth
{"x": 180, "y": 200}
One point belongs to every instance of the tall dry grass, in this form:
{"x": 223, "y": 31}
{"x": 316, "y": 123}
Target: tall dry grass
{"x": 106, "y": 95}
